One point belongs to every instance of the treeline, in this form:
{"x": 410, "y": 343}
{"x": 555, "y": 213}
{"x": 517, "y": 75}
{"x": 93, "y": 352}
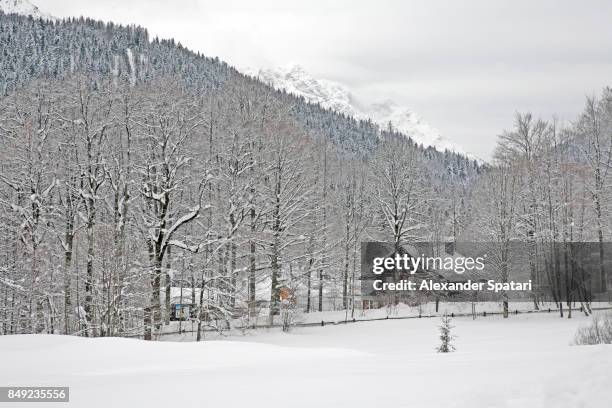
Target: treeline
{"x": 113, "y": 193}
{"x": 550, "y": 186}
{"x": 34, "y": 49}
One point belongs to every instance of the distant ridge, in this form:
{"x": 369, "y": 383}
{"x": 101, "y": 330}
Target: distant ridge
{"x": 294, "y": 79}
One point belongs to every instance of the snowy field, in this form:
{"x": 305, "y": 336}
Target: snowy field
{"x": 524, "y": 361}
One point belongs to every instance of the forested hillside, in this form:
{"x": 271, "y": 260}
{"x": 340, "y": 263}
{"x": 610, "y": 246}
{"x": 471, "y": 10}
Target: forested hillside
{"x": 34, "y": 48}
{"x": 132, "y": 167}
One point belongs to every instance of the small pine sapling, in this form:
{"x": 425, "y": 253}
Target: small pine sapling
{"x": 446, "y": 338}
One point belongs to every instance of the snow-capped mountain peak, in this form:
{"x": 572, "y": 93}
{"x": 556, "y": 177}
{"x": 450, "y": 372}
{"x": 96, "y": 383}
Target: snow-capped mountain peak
{"x": 23, "y": 7}
{"x": 410, "y": 123}
{"x": 294, "y": 79}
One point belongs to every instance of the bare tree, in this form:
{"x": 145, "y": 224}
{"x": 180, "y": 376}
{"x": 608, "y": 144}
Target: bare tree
{"x": 594, "y": 130}
{"x": 165, "y": 127}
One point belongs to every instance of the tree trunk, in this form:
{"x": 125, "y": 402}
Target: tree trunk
{"x": 346, "y": 268}
{"x": 155, "y": 298}
{"x": 275, "y": 256}
{"x": 147, "y": 323}
{"x": 68, "y": 326}
{"x": 168, "y": 284}
{"x": 89, "y": 281}
{"x": 252, "y": 266}
{"x": 275, "y": 289}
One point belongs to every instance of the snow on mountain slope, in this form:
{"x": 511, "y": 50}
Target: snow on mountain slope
{"x": 411, "y": 124}
{"x": 23, "y": 7}
{"x": 296, "y": 80}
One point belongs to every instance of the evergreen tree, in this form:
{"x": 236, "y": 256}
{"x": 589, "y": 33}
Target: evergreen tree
{"x": 446, "y": 338}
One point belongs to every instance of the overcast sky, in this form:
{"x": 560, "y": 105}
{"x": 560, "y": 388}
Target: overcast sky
{"x": 465, "y": 66}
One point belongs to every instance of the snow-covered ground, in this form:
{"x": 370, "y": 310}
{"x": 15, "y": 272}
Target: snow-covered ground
{"x": 523, "y": 361}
